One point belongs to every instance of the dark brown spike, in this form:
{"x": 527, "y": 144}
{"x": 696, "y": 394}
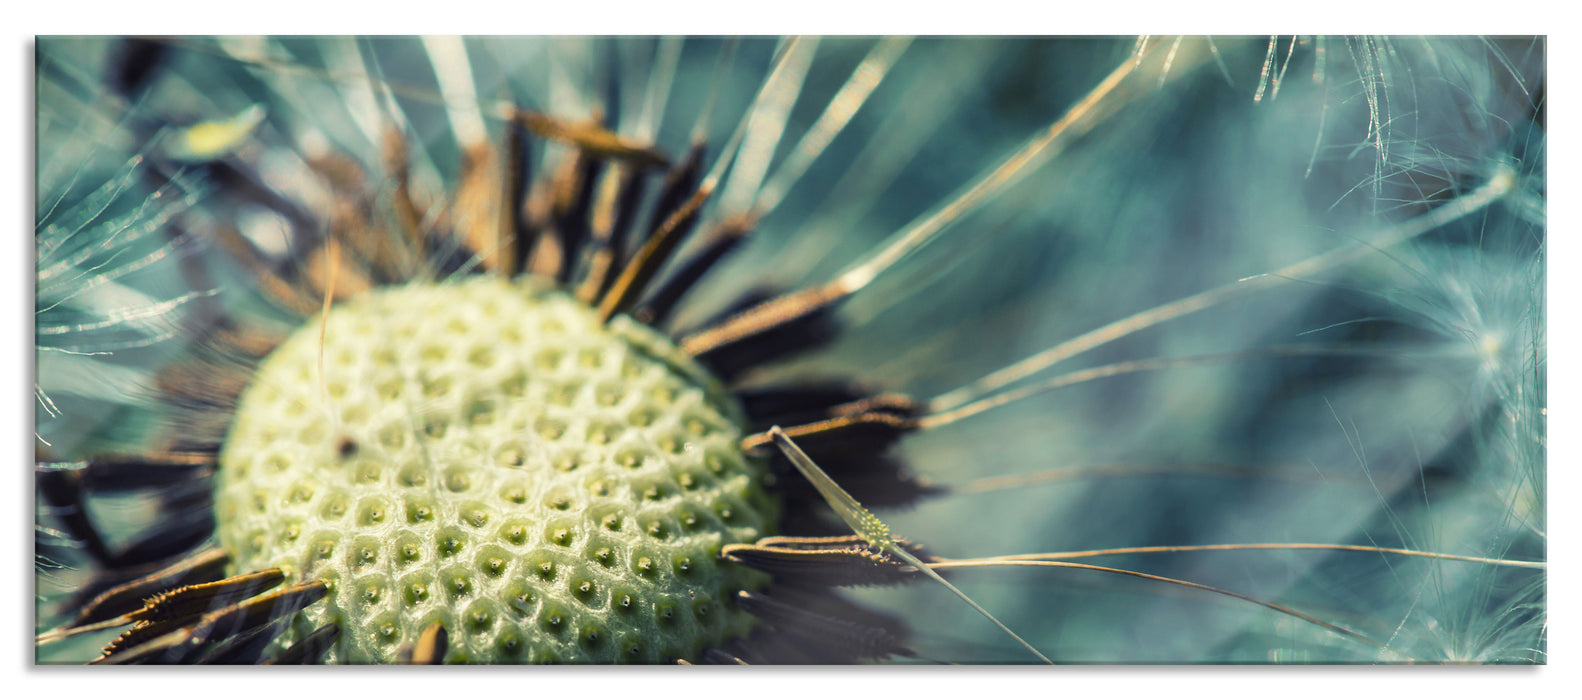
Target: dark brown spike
{"x": 334, "y": 264}
{"x": 592, "y": 138}
{"x": 409, "y": 215}
{"x": 871, "y": 431}
{"x": 174, "y": 608}
{"x": 679, "y": 185}
{"x": 205, "y": 380}
{"x": 309, "y": 649}
{"x": 386, "y": 256}
{"x": 853, "y": 447}
{"x": 173, "y": 647}
{"x": 203, "y": 388}
{"x": 649, "y": 258}
{"x": 773, "y": 329}
{"x": 480, "y": 211}
{"x": 363, "y": 265}
{"x": 247, "y": 647}
{"x": 826, "y": 561}
{"x": 171, "y": 609}
{"x": 115, "y": 602}
{"x": 117, "y": 473}
{"x": 570, "y": 220}
{"x": 187, "y": 602}
{"x": 139, "y": 635}
{"x": 558, "y": 217}
{"x": 809, "y": 401}
{"x": 601, "y": 229}
{"x": 764, "y": 317}
{"x": 516, "y": 173}
{"x": 192, "y": 429}
{"x": 861, "y": 641}
{"x": 815, "y": 544}
{"x": 628, "y": 205}
{"x": 343, "y": 174}
{"x": 899, "y": 405}
{"x": 430, "y": 647}
{"x": 753, "y": 296}
{"x": 798, "y": 401}
{"x": 726, "y": 236}
{"x": 614, "y": 211}
{"x": 285, "y": 295}
{"x": 184, "y": 644}
{"x": 232, "y": 338}
{"x": 185, "y": 522}
{"x": 544, "y": 255}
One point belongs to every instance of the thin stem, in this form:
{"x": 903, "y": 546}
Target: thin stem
{"x": 842, "y": 107}
{"x": 700, "y": 127}
{"x": 1160, "y": 363}
{"x": 666, "y": 57}
{"x": 1114, "y": 92}
{"x": 118, "y": 316}
{"x": 772, "y": 86}
{"x": 1497, "y": 187}
{"x": 1293, "y": 546}
{"x": 59, "y": 634}
{"x": 1094, "y": 471}
{"x": 766, "y": 124}
{"x": 979, "y": 563}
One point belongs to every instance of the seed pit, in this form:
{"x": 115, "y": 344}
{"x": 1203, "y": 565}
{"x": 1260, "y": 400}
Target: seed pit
{"x": 515, "y": 493}
{"x": 419, "y": 510}
{"x": 458, "y": 479}
{"x": 417, "y": 592}
{"x": 511, "y": 456}
{"x": 481, "y": 357}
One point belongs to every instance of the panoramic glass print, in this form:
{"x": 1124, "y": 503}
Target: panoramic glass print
{"x": 790, "y": 350}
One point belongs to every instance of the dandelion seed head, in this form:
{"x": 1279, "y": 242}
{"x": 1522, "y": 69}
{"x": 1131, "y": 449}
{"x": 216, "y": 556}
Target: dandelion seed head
{"x": 490, "y": 456}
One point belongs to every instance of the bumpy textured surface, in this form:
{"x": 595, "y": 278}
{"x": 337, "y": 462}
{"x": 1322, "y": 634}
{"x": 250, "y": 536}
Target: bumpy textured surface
{"x": 488, "y": 455}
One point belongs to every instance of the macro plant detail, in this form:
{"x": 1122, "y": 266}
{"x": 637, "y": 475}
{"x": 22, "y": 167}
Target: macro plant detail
{"x": 509, "y": 489}
{"x": 649, "y": 350}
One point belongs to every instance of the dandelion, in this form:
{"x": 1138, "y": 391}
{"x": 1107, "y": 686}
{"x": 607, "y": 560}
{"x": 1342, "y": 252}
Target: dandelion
{"x": 733, "y": 351}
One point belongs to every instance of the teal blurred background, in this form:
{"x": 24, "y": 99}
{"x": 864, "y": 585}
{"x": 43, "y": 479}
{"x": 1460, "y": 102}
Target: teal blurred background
{"x": 1422, "y": 429}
